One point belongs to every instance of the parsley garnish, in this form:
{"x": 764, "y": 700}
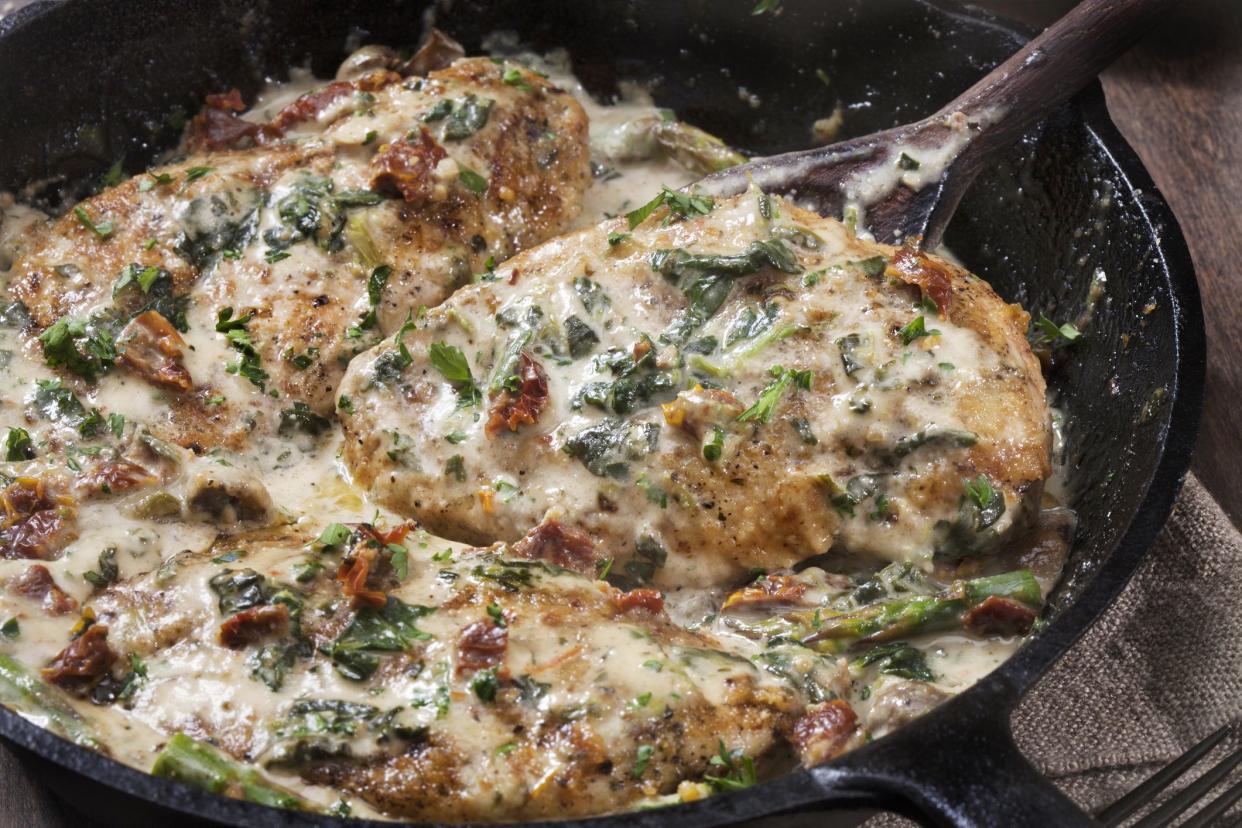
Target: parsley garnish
{"x": 234, "y": 330}
{"x": 1049, "y": 332}
{"x": 515, "y": 78}
{"x": 763, "y": 408}
{"x": 195, "y": 173}
{"x": 738, "y": 770}
{"x": 680, "y": 204}
{"x": 471, "y": 180}
{"x": 641, "y": 759}
{"x": 989, "y": 502}
{"x": 72, "y": 346}
{"x": 452, "y": 365}
{"x": 916, "y": 329}
{"x": 102, "y": 229}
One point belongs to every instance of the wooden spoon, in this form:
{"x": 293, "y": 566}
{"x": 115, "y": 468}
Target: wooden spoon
{"x": 904, "y": 183}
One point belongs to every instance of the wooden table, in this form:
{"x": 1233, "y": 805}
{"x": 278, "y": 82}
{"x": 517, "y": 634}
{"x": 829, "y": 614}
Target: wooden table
{"x": 1178, "y": 99}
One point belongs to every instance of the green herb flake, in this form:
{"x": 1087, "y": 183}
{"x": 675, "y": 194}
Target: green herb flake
{"x": 471, "y": 180}
{"x": 642, "y": 758}
{"x": 1050, "y": 333}
{"x": 514, "y": 77}
{"x": 18, "y": 446}
{"x": 985, "y": 498}
{"x": 915, "y": 329}
{"x": 485, "y": 684}
{"x": 907, "y": 163}
{"x": 497, "y": 615}
{"x": 195, "y": 173}
{"x": 102, "y": 230}
{"x": 10, "y": 629}
{"x": 765, "y": 406}
{"x": 873, "y": 267}
{"x": 400, "y": 560}
{"x": 679, "y": 204}
{"x": 335, "y": 535}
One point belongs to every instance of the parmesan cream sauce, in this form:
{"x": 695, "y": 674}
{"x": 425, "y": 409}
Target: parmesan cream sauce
{"x": 310, "y": 488}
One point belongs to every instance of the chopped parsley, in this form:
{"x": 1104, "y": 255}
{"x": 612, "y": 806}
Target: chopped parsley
{"x": 872, "y": 267}
{"x": 238, "y": 336}
{"x": 915, "y": 329}
{"x": 102, "y": 230}
{"x": 735, "y": 771}
{"x": 642, "y": 758}
{"x": 81, "y": 349}
{"x": 195, "y": 173}
{"x": 471, "y": 180}
{"x": 1049, "y": 332}
{"x": 683, "y": 205}
{"x": 764, "y": 407}
{"x": 515, "y": 78}
{"x": 989, "y": 502}
{"x": 453, "y": 366}
{"x": 485, "y": 684}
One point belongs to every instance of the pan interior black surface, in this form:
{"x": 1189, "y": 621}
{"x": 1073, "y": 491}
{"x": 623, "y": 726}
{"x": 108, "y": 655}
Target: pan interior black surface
{"x": 87, "y": 82}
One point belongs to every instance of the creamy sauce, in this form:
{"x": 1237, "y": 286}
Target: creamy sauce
{"x": 196, "y": 686}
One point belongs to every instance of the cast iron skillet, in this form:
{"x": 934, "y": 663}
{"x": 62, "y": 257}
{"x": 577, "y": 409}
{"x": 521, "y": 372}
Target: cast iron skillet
{"x": 84, "y": 82}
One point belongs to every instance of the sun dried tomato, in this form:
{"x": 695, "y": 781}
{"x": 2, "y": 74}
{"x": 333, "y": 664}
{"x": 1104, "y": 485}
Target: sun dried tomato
{"x": 997, "y": 615}
{"x": 554, "y": 542}
{"x": 87, "y": 659}
{"x": 824, "y": 732}
{"x": 254, "y": 624}
{"x": 481, "y": 645}
{"x": 152, "y": 348}
{"x": 406, "y": 167}
{"x": 643, "y": 598}
{"x": 914, "y": 267}
{"x": 771, "y": 589}
{"x": 115, "y": 477}
{"x": 354, "y": 572}
{"x": 37, "y": 584}
{"x": 524, "y": 408}
{"x": 36, "y": 523}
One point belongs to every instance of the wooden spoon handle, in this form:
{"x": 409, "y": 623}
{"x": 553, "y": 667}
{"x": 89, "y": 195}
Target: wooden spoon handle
{"x": 1050, "y": 69}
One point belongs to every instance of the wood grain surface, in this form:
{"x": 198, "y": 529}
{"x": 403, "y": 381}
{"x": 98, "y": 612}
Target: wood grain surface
{"x": 1178, "y": 98}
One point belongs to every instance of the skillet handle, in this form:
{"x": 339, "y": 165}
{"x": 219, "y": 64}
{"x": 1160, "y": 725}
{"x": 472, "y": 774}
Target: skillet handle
{"x": 957, "y": 767}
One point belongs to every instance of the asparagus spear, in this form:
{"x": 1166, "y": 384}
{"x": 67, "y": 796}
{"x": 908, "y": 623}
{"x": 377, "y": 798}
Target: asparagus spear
{"x": 25, "y": 692}
{"x": 696, "y": 150}
{"x": 887, "y": 620}
{"x": 199, "y": 764}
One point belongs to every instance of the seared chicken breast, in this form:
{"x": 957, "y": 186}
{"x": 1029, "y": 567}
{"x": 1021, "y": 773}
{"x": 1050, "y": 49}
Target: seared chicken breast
{"x": 437, "y": 682}
{"x": 240, "y": 280}
{"x": 707, "y": 388}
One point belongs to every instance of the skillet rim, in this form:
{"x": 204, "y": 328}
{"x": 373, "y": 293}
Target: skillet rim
{"x": 826, "y": 784}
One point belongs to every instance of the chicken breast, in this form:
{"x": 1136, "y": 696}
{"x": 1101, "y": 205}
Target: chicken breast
{"x": 437, "y": 682}
{"x": 240, "y": 280}
{"x": 708, "y": 388}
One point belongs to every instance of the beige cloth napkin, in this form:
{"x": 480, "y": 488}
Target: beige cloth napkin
{"x": 1161, "y": 668}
